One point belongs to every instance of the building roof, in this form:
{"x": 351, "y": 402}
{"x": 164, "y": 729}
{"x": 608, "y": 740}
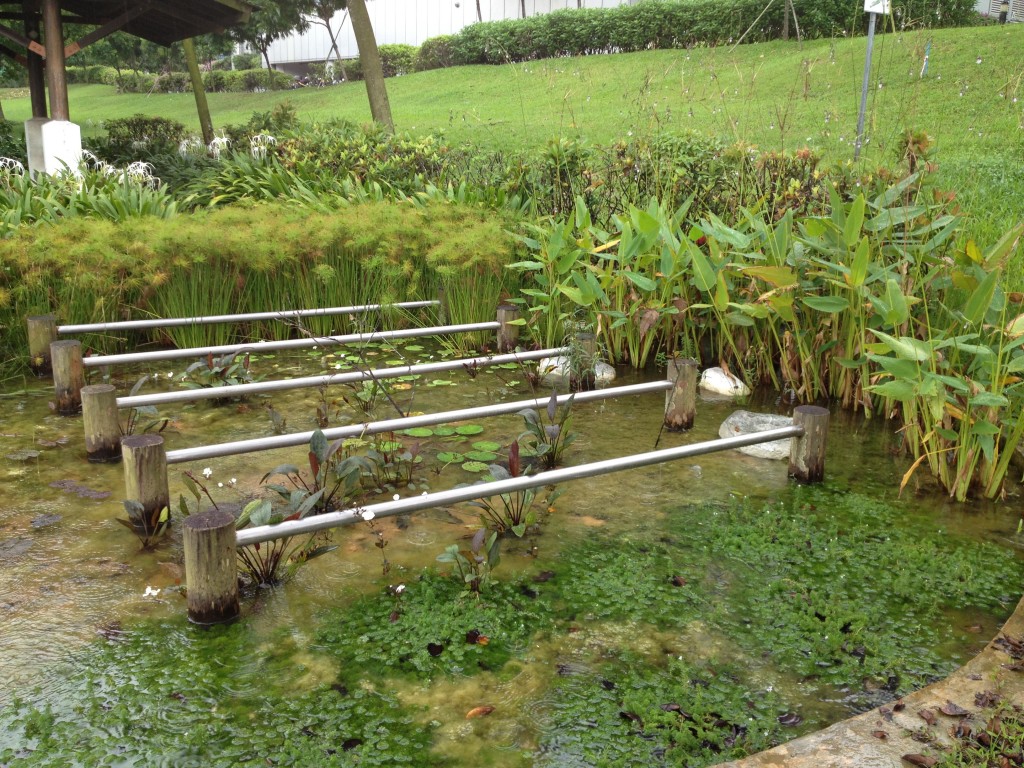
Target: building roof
{"x": 161, "y": 21}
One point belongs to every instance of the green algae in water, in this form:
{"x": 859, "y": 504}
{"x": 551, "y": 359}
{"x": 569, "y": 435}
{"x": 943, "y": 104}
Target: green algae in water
{"x": 163, "y": 697}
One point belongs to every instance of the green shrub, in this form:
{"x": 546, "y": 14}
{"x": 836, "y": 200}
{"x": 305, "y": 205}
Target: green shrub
{"x": 397, "y": 59}
{"x": 673, "y": 24}
{"x": 12, "y": 143}
{"x": 129, "y": 134}
{"x": 436, "y": 53}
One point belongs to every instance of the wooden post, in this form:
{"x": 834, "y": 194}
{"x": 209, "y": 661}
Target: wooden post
{"x": 42, "y": 332}
{"x": 68, "y": 375}
{"x": 442, "y": 306}
{"x": 56, "y": 75}
{"x": 681, "y": 400}
{"x": 145, "y": 472}
{"x": 508, "y": 335}
{"x": 102, "y": 429}
{"x": 210, "y": 570}
{"x": 807, "y": 453}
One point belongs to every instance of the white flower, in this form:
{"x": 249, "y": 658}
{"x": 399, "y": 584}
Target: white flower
{"x": 396, "y": 497}
{"x": 423, "y": 494}
{"x": 400, "y": 589}
{"x": 220, "y": 485}
{"x": 170, "y": 374}
{"x": 367, "y": 515}
{"x": 233, "y": 481}
{"x": 150, "y": 592}
{"x": 207, "y": 472}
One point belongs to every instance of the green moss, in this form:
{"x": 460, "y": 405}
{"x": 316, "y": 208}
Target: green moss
{"x": 425, "y": 633}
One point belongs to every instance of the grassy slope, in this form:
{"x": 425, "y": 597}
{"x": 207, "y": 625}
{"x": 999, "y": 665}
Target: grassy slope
{"x": 776, "y": 95}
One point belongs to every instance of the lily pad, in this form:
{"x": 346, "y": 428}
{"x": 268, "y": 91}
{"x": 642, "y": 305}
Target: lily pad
{"x": 418, "y": 432}
{"x": 449, "y": 457}
{"x": 481, "y": 456}
{"x": 441, "y": 383}
{"x": 413, "y": 348}
{"x": 469, "y": 429}
{"x": 27, "y": 455}
{"x": 487, "y": 445}
{"x": 444, "y": 431}
{"x": 474, "y": 466}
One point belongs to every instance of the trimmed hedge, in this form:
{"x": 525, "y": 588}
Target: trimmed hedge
{"x": 128, "y": 81}
{"x": 654, "y": 24}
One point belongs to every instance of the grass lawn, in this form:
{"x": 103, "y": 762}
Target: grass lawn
{"x": 774, "y": 96}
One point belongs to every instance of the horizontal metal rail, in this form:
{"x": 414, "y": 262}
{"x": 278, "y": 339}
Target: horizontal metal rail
{"x": 442, "y": 498}
{"x": 325, "y": 380}
{"x": 390, "y": 425}
{"x": 267, "y": 346}
{"x": 284, "y": 314}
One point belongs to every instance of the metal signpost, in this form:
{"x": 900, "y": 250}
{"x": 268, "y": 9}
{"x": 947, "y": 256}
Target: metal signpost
{"x": 873, "y": 8}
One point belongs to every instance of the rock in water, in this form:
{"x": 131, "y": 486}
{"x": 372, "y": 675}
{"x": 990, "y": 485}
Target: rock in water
{"x": 717, "y": 381}
{"x": 745, "y": 423}
{"x": 554, "y": 371}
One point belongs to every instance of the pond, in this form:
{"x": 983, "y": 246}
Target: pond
{"x": 680, "y": 614}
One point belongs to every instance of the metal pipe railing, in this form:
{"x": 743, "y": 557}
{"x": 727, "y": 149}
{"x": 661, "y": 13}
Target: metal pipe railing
{"x": 324, "y": 380}
{"x": 266, "y": 346}
{"x": 284, "y": 314}
{"x": 391, "y": 425}
{"x": 352, "y": 515}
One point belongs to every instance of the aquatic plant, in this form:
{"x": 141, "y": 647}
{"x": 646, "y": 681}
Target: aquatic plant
{"x": 473, "y": 566}
{"x": 510, "y": 512}
{"x": 331, "y": 482}
{"x": 546, "y": 442}
{"x": 225, "y": 371}
{"x": 272, "y": 562}
{"x": 150, "y": 527}
{"x": 134, "y": 423}
{"x": 389, "y": 465}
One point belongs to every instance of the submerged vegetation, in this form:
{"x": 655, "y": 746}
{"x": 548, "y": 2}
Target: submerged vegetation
{"x": 641, "y": 651}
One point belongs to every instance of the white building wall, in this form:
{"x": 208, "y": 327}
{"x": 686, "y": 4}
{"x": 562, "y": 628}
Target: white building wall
{"x": 412, "y": 22}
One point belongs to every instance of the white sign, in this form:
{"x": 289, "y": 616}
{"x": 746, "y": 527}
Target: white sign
{"x": 878, "y": 6}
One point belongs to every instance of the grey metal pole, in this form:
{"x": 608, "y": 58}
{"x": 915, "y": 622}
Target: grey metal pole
{"x": 864, "y": 87}
{"x": 284, "y": 314}
{"x": 390, "y": 425}
{"x": 325, "y": 380}
{"x": 267, "y": 346}
{"x": 482, "y": 490}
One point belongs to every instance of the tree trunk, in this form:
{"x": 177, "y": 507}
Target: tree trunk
{"x": 479, "y": 13}
{"x": 271, "y": 82}
{"x": 373, "y": 69}
{"x": 202, "y": 107}
{"x": 522, "y": 6}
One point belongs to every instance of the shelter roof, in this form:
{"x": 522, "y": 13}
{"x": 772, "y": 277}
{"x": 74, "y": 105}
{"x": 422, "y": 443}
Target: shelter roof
{"x": 161, "y": 21}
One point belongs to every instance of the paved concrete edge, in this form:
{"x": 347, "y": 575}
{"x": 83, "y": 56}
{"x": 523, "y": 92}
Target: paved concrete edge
{"x": 858, "y": 741}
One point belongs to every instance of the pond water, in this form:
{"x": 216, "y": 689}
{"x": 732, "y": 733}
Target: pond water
{"x": 678, "y": 614}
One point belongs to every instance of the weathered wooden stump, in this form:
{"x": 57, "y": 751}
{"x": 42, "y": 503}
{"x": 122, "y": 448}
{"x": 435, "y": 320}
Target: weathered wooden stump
{"x": 68, "y": 376}
{"x": 210, "y": 569}
{"x": 681, "y": 400}
{"x": 102, "y": 429}
{"x": 807, "y": 453}
{"x": 508, "y": 334}
{"x": 145, "y": 472}
{"x": 42, "y": 332}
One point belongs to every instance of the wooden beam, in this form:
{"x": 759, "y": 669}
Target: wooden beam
{"x": 21, "y": 40}
{"x": 12, "y": 54}
{"x": 109, "y": 28}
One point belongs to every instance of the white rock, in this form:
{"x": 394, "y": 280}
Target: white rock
{"x": 745, "y": 422}
{"x": 553, "y": 370}
{"x": 718, "y": 382}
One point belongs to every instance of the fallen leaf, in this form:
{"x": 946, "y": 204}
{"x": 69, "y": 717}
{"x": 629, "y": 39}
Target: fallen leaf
{"x": 953, "y": 710}
{"x": 435, "y": 649}
{"x": 481, "y": 711}
{"x": 879, "y": 734}
{"x": 927, "y": 715}
{"x": 790, "y": 719}
{"x": 986, "y": 699}
{"x": 961, "y": 731}
{"x": 898, "y": 706}
{"x": 922, "y": 760}
{"x": 975, "y": 629}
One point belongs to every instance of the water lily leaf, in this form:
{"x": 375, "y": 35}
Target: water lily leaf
{"x": 418, "y": 432}
{"x": 481, "y": 455}
{"x": 487, "y": 445}
{"x": 444, "y": 431}
{"x": 469, "y": 429}
{"x": 449, "y": 457}
{"x": 474, "y": 466}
